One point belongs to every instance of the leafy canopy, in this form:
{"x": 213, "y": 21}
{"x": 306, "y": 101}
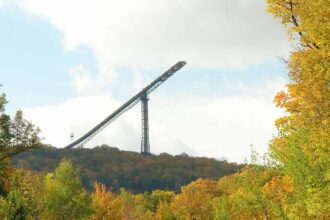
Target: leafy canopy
{"x": 16, "y": 134}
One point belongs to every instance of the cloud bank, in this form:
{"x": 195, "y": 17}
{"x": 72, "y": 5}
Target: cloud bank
{"x": 149, "y": 33}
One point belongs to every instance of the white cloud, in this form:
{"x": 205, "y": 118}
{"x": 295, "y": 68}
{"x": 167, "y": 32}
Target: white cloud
{"x": 214, "y": 127}
{"x": 2, "y": 2}
{"x": 148, "y": 33}
{"x": 87, "y": 83}
{"x": 83, "y": 81}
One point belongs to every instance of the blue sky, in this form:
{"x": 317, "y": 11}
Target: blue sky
{"x": 50, "y": 64}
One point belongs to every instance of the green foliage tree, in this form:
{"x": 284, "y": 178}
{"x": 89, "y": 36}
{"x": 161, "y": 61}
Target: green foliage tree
{"x": 16, "y": 135}
{"x": 65, "y": 197}
{"x": 18, "y": 204}
{"x": 5, "y": 209}
{"x": 146, "y": 204}
{"x": 30, "y": 186}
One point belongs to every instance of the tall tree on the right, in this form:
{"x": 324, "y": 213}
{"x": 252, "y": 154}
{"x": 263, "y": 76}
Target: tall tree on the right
{"x": 302, "y": 146}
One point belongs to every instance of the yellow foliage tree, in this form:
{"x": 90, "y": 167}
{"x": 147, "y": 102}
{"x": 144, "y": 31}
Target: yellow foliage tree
{"x": 195, "y": 200}
{"x": 107, "y": 205}
{"x": 278, "y": 194}
{"x": 303, "y": 144}
{"x": 164, "y": 212}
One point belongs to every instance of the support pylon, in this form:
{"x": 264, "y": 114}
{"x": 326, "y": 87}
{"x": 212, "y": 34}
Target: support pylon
{"x": 145, "y": 145}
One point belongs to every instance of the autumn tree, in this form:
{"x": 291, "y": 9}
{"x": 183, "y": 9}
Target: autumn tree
{"x": 107, "y": 205}
{"x": 164, "y": 212}
{"x": 65, "y": 197}
{"x": 250, "y": 194}
{"x": 195, "y": 200}
{"x": 278, "y": 195}
{"x": 302, "y": 146}
{"x": 160, "y": 196}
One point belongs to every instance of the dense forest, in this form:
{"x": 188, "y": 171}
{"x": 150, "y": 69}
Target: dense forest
{"x": 291, "y": 182}
{"x": 133, "y": 171}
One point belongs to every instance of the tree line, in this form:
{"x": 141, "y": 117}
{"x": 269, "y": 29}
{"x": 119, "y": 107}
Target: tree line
{"x": 133, "y": 171}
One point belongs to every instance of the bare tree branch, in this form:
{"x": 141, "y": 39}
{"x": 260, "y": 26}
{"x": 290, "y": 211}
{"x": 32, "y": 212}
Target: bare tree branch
{"x": 295, "y": 22}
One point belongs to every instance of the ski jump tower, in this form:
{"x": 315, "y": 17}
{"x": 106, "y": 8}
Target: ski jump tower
{"x": 142, "y": 97}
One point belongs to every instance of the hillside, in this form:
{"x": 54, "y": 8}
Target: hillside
{"x": 130, "y": 170}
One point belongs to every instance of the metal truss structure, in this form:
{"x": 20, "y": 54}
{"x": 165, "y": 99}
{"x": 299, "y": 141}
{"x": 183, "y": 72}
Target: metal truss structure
{"x": 141, "y": 96}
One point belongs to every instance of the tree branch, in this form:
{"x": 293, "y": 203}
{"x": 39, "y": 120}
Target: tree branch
{"x": 295, "y": 22}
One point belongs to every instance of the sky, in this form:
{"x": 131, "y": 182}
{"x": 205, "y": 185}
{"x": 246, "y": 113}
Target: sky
{"x": 68, "y": 64}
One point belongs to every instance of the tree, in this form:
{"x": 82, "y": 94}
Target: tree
{"x": 195, "y": 200}
{"x": 302, "y": 146}
{"x": 146, "y": 204}
{"x": 65, "y": 197}
{"x": 30, "y": 185}
{"x": 164, "y": 212}
{"x": 160, "y": 196}
{"x": 17, "y": 202}
{"x": 5, "y": 209}
{"x": 107, "y": 205}
{"x": 20, "y": 202}
{"x": 243, "y": 195}
{"x": 17, "y": 134}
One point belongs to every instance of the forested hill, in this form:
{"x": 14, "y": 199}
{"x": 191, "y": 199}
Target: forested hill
{"x": 131, "y": 170}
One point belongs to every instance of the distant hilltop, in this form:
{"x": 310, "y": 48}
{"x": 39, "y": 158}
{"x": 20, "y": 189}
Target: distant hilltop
{"x": 130, "y": 170}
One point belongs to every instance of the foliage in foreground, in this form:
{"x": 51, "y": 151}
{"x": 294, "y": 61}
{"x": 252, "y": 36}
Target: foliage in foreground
{"x": 60, "y": 195}
{"x": 257, "y": 192}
